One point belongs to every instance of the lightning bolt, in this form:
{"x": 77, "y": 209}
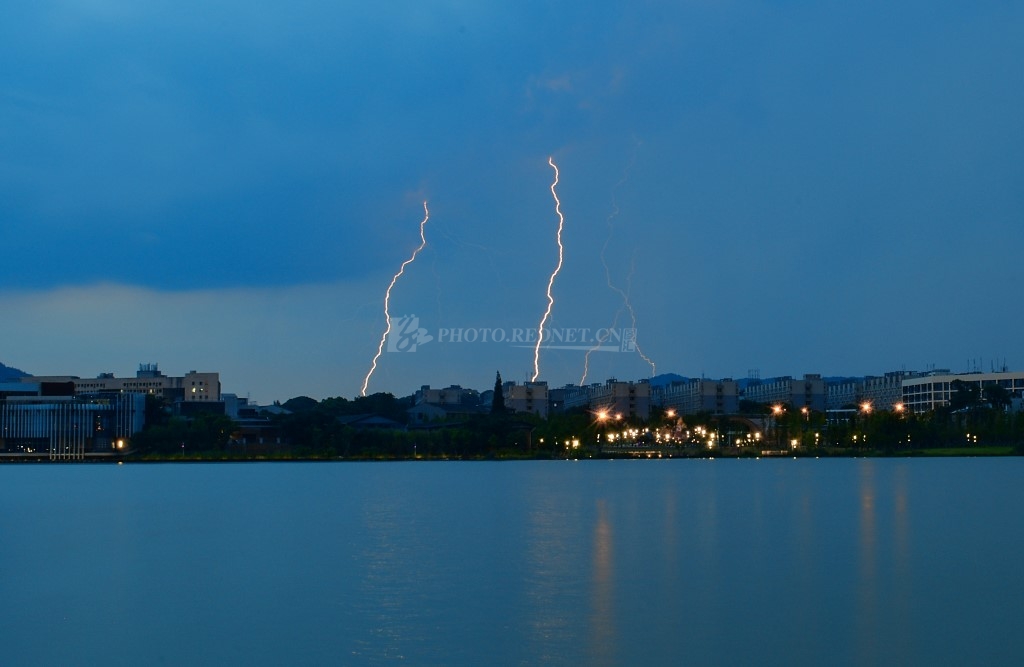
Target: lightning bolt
{"x": 551, "y": 280}
{"x": 627, "y": 305}
{"x": 604, "y": 263}
{"x": 608, "y": 278}
{"x": 600, "y": 342}
{"x": 632, "y": 313}
{"x": 387, "y": 297}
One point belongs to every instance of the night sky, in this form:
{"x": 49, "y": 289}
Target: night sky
{"x": 827, "y": 187}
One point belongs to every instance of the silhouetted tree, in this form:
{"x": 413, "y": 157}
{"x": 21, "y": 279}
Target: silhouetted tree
{"x": 300, "y": 404}
{"x": 498, "y": 401}
{"x": 997, "y": 396}
{"x": 157, "y": 413}
{"x": 963, "y": 395}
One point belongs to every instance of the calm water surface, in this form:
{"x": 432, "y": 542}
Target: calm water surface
{"x": 696, "y": 562}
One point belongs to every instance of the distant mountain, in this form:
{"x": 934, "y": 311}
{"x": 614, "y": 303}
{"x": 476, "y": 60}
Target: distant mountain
{"x": 8, "y": 374}
{"x": 842, "y": 379}
{"x": 666, "y": 379}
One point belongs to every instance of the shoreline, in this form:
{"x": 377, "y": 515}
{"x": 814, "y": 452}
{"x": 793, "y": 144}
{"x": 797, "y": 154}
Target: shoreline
{"x": 226, "y": 457}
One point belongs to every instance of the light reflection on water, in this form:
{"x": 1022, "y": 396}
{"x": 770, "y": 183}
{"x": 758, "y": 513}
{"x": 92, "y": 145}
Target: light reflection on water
{"x": 601, "y": 637}
{"x": 867, "y": 593}
{"x": 782, "y": 562}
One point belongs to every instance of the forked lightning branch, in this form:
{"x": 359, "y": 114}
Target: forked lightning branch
{"x": 407, "y": 335}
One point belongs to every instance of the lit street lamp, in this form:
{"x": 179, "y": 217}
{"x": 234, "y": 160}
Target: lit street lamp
{"x": 777, "y": 411}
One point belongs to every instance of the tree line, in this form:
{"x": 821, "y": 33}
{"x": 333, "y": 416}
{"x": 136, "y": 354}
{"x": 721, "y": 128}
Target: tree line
{"x": 318, "y": 430}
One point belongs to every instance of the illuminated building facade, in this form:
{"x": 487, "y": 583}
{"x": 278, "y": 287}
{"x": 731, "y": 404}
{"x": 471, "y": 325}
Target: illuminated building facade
{"x": 68, "y": 427}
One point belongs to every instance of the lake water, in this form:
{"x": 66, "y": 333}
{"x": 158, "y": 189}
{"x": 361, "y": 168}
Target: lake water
{"x": 670, "y": 562}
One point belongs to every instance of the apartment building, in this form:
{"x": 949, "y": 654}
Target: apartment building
{"x": 720, "y": 397}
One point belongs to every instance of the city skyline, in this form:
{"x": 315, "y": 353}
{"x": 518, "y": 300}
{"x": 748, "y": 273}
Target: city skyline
{"x": 824, "y": 189}
{"x": 149, "y": 375}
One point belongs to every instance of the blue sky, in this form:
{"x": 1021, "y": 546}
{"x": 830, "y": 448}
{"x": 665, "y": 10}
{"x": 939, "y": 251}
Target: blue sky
{"x": 791, "y": 187}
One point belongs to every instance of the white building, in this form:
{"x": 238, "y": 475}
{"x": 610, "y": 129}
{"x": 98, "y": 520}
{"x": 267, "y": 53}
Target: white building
{"x": 928, "y": 392}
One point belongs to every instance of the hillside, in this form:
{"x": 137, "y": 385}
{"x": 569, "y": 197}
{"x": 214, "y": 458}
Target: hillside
{"x": 8, "y": 374}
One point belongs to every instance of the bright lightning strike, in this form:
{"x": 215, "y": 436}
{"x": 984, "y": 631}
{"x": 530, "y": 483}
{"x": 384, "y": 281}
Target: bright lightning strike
{"x": 387, "y": 297}
{"x": 551, "y": 280}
